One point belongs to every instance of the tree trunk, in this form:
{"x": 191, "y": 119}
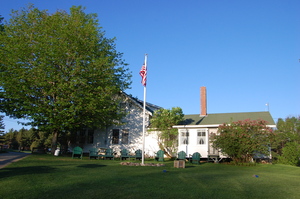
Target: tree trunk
{"x": 54, "y": 142}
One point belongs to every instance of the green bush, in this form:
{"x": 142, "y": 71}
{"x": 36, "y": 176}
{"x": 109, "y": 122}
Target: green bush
{"x": 290, "y": 154}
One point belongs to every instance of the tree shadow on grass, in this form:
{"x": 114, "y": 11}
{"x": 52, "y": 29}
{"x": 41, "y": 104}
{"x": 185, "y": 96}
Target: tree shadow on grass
{"x": 90, "y": 166}
{"x": 189, "y": 166}
{"x": 10, "y": 172}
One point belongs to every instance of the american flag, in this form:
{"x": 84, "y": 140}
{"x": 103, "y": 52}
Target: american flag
{"x": 143, "y": 74}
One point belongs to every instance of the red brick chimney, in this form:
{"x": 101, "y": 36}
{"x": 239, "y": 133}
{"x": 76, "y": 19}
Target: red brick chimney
{"x": 203, "y": 104}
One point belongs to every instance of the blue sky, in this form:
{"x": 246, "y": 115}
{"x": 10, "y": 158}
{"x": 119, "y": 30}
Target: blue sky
{"x": 246, "y": 53}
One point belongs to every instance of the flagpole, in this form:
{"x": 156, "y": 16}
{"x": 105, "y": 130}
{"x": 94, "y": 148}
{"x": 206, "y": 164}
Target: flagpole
{"x": 144, "y": 116}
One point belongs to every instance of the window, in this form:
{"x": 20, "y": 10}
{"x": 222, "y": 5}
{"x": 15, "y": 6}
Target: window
{"x": 115, "y": 138}
{"x": 125, "y": 135}
{"x": 184, "y": 137}
{"x": 201, "y": 136}
{"x": 90, "y": 136}
{"x": 81, "y": 137}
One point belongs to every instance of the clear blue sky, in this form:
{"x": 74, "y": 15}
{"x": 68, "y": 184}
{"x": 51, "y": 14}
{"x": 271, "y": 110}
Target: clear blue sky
{"x": 245, "y": 52}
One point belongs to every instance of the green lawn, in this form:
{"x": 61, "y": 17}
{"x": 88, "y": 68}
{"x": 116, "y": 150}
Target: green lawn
{"x": 46, "y": 176}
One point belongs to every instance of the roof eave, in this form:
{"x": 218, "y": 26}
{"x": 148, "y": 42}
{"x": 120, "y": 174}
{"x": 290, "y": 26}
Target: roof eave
{"x": 196, "y": 126}
{"x": 207, "y": 126}
{"x": 135, "y": 102}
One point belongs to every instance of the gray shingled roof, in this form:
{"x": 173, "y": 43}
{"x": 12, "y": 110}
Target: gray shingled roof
{"x": 220, "y": 118}
{"x": 150, "y": 107}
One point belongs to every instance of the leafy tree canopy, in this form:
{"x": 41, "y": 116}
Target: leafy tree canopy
{"x": 290, "y": 128}
{"x": 1, "y": 24}
{"x": 59, "y": 70}
{"x": 286, "y": 146}
{"x": 162, "y": 121}
{"x": 242, "y": 140}
{"x": 1, "y": 123}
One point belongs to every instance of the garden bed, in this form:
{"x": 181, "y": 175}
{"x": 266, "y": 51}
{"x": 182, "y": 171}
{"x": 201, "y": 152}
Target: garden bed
{"x": 140, "y": 164}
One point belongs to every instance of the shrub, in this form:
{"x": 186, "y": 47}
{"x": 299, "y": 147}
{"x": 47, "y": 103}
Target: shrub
{"x": 290, "y": 154}
{"x": 242, "y": 140}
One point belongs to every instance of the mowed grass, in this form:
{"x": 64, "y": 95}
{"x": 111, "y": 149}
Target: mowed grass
{"x": 46, "y": 176}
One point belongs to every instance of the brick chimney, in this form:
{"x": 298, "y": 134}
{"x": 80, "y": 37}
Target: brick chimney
{"x": 203, "y": 104}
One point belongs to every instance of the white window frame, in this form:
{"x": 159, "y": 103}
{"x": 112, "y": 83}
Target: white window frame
{"x": 184, "y": 137}
{"x": 201, "y": 136}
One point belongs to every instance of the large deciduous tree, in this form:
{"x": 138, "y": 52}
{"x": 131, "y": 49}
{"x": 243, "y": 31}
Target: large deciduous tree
{"x": 242, "y": 140}
{"x": 162, "y": 122}
{"x": 59, "y": 71}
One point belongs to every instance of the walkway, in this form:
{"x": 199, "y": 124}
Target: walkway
{"x": 7, "y": 158}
